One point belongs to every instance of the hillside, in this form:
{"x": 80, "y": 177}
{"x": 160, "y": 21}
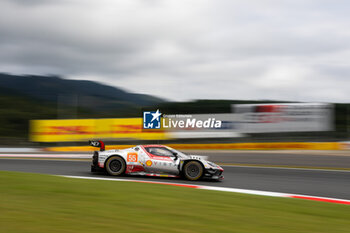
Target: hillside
{"x": 23, "y": 98}
{"x": 82, "y": 93}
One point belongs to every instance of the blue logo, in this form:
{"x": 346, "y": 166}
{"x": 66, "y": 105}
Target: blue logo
{"x": 151, "y": 120}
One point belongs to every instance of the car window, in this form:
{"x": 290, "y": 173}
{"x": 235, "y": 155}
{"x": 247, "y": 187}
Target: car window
{"x": 159, "y": 151}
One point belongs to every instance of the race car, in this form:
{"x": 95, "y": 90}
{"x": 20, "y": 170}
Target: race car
{"x": 153, "y": 160}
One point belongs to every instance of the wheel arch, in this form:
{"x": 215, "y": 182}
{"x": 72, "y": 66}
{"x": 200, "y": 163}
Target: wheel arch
{"x": 114, "y": 155}
{"x": 189, "y": 160}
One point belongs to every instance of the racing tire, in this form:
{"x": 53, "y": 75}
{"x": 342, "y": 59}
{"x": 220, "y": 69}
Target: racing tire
{"x": 193, "y": 170}
{"x": 115, "y": 166}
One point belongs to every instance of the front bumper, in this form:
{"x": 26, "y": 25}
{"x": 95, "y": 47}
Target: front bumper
{"x": 213, "y": 174}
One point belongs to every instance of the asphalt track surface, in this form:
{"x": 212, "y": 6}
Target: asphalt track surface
{"x": 320, "y": 159}
{"x": 325, "y": 183}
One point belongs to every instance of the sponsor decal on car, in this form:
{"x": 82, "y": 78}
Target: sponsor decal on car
{"x": 149, "y": 163}
{"x": 132, "y": 157}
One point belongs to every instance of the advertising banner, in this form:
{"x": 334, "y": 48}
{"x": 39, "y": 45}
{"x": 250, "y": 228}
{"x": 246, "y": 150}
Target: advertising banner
{"x": 86, "y": 129}
{"x": 290, "y": 117}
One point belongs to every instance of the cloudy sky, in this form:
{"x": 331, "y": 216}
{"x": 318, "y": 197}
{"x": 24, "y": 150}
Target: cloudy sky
{"x": 181, "y": 50}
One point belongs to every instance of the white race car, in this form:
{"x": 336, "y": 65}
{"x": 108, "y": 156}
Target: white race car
{"x": 153, "y": 160}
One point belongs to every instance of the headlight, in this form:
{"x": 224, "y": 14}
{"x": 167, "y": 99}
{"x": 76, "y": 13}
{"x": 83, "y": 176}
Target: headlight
{"x": 211, "y": 171}
{"x": 212, "y": 164}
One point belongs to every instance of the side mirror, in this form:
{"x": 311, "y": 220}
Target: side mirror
{"x": 175, "y": 155}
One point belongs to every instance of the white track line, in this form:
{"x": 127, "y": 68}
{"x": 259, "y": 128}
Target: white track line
{"x": 19, "y": 150}
{"x": 71, "y": 156}
{"x": 234, "y": 190}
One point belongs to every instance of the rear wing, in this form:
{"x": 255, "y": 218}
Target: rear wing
{"x": 99, "y": 144}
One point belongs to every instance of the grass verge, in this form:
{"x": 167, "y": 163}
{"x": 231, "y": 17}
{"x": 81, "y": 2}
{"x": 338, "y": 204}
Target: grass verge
{"x": 44, "y": 203}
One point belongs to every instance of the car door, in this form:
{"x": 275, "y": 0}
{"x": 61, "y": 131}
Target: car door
{"x": 161, "y": 160}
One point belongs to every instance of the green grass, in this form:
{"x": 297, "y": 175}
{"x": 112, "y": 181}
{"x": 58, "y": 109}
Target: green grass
{"x": 43, "y": 203}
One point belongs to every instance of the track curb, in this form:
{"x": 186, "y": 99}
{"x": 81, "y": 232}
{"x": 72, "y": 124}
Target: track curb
{"x": 223, "y": 189}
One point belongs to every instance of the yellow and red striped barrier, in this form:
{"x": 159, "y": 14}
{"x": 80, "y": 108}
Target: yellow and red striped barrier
{"x": 74, "y": 130}
{"x": 224, "y": 146}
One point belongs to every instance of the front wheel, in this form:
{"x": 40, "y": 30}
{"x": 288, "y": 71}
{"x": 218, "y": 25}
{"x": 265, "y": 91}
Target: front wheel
{"x": 115, "y": 166}
{"x": 193, "y": 170}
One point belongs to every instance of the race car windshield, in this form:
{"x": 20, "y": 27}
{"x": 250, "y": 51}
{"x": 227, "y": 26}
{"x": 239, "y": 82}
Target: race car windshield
{"x": 178, "y": 153}
{"x": 159, "y": 151}
{"x": 164, "y": 151}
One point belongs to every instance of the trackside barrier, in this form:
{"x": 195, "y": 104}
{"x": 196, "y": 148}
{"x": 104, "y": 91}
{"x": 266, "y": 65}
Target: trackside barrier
{"x": 74, "y": 130}
{"x": 224, "y": 146}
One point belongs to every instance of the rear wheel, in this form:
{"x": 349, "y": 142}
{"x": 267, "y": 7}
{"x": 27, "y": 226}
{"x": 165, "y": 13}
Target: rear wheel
{"x": 193, "y": 170}
{"x": 115, "y": 166}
